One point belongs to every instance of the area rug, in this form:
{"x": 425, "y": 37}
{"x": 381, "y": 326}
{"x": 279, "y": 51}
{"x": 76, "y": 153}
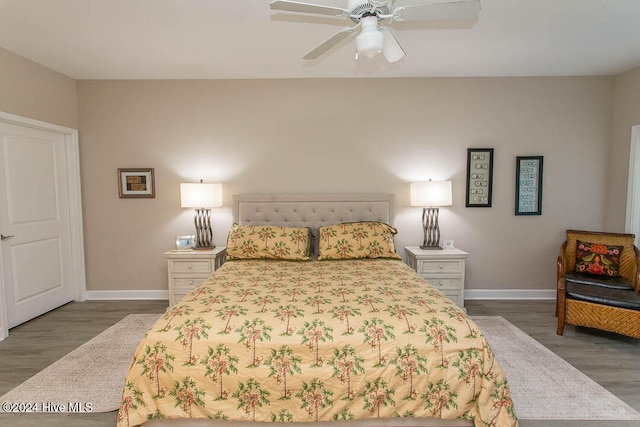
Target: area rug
{"x": 544, "y": 386}
{"x": 92, "y": 373}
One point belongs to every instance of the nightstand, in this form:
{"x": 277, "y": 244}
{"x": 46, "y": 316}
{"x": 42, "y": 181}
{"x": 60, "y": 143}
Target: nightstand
{"x": 188, "y": 268}
{"x": 443, "y": 269}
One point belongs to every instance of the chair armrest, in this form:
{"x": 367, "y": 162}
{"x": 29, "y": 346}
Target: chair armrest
{"x": 560, "y": 263}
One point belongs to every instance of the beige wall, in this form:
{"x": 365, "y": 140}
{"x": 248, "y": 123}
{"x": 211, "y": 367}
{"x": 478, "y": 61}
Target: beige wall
{"x": 339, "y": 135}
{"x": 343, "y": 135}
{"x": 626, "y": 114}
{"x": 30, "y": 90}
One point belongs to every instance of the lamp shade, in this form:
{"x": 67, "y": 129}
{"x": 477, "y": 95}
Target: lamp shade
{"x": 200, "y": 195}
{"x": 431, "y": 193}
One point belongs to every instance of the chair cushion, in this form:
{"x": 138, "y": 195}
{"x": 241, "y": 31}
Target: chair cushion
{"x": 606, "y": 296}
{"x": 597, "y": 259}
{"x": 618, "y": 282}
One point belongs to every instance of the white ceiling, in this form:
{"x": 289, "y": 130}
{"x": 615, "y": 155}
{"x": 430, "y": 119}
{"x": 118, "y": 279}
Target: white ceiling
{"x": 224, "y": 39}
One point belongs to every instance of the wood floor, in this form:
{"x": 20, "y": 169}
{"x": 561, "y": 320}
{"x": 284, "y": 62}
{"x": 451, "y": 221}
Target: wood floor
{"x": 611, "y": 360}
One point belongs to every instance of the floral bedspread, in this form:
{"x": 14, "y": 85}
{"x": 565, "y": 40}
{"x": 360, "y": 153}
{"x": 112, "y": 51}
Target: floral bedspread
{"x": 288, "y": 341}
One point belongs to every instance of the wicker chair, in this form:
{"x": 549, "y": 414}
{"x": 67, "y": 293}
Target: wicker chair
{"x": 610, "y": 304}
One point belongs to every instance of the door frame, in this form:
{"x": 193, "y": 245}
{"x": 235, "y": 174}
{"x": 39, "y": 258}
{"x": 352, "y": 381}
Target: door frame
{"x": 632, "y": 221}
{"x": 78, "y": 274}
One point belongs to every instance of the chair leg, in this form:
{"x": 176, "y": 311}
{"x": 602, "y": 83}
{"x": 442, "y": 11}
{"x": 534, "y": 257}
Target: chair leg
{"x": 560, "y": 329}
{"x": 561, "y": 306}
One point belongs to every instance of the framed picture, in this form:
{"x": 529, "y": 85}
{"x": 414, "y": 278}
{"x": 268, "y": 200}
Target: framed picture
{"x": 136, "y": 183}
{"x": 479, "y": 177}
{"x": 185, "y": 242}
{"x": 529, "y": 185}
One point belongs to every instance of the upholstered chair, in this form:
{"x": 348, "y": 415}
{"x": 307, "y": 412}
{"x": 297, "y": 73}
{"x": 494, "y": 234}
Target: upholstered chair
{"x": 598, "y": 282}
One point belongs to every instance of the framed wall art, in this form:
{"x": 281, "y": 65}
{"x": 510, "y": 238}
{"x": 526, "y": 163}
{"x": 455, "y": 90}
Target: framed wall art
{"x": 529, "y": 185}
{"x": 136, "y": 183}
{"x": 479, "y": 177}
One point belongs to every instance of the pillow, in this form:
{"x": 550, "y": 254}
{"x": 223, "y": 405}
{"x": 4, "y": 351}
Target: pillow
{"x": 269, "y": 242}
{"x": 597, "y": 259}
{"x": 352, "y": 240}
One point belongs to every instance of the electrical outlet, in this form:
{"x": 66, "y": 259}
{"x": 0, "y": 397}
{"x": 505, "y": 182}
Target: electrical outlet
{"x": 448, "y": 244}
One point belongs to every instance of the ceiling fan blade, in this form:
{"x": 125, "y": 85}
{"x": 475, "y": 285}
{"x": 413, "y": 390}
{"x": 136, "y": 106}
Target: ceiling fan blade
{"x": 437, "y": 11}
{"x": 391, "y": 50}
{"x": 330, "y": 42}
{"x": 295, "y": 6}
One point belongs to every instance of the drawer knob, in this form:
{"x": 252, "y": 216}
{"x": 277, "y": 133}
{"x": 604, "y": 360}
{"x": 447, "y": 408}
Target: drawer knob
{"x": 190, "y": 266}
{"x": 441, "y": 266}
{"x": 439, "y": 282}
{"x": 191, "y": 282}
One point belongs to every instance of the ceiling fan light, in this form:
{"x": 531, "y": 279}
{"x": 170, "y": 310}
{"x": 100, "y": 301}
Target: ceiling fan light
{"x": 370, "y": 43}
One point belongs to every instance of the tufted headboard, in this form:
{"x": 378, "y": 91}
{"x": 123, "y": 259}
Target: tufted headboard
{"x": 311, "y": 210}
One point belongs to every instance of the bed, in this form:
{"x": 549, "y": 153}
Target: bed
{"x": 315, "y": 318}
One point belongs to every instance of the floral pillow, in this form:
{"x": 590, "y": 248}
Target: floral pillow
{"x": 352, "y": 240}
{"x": 269, "y": 242}
{"x": 597, "y": 259}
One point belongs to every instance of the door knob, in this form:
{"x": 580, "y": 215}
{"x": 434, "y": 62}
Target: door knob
{"x": 3, "y": 237}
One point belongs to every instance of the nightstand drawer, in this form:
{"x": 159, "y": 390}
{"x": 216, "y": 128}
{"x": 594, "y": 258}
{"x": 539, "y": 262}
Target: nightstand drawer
{"x": 188, "y": 282}
{"x": 444, "y": 282}
{"x": 178, "y": 294}
{"x": 439, "y": 266}
{"x": 456, "y": 297}
{"x": 190, "y": 266}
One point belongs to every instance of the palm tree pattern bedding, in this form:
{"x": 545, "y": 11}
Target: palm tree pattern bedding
{"x": 286, "y": 341}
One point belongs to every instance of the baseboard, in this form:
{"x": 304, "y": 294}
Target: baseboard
{"x": 510, "y": 294}
{"x": 470, "y": 294}
{"x": 127, "y": 295}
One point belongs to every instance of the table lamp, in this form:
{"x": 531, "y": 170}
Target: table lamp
{"x": 430, "y": 195}
{"x": 202, "y": 197}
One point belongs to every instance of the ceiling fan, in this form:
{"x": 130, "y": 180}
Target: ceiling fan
{"x": 368, "y": 14}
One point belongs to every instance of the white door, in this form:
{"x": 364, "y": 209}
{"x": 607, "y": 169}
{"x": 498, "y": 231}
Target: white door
{"x": 34, "y": 222}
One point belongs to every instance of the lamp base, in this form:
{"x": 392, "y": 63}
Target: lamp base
{"x": 204, "y": 248}
{"x": 431, "y": 247}
{"x": 204, "y": 235}
{"x": 431, "y": 229}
